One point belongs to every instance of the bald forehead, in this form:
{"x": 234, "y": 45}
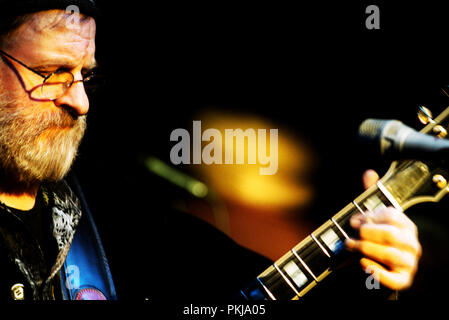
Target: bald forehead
{"x": 56, "y": 21}
{"x": 54, "y": 34}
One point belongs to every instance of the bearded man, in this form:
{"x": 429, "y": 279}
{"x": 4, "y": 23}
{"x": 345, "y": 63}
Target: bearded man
{"x": 47, "y": 56}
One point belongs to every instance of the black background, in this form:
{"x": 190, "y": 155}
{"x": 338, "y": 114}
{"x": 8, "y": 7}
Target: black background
{"x": 312, "y": 67}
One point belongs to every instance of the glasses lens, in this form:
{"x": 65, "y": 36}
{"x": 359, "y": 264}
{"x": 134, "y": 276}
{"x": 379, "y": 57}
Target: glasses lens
{"x": 54, "y": 86}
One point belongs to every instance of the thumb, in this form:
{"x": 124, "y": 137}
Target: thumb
{"x": 369, "y": 178}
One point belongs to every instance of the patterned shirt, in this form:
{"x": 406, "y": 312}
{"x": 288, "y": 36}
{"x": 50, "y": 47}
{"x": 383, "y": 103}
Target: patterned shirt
{"x": 23, "y": 253}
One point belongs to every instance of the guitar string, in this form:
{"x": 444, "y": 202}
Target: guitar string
{"x": 315, "y": 246}
{"x": 355, "y": 208}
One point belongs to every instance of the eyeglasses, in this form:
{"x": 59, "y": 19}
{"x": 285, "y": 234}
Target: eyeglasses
{"x": 54, "y": 86}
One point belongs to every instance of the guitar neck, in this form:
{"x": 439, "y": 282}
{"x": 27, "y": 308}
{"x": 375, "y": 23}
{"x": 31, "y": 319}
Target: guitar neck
{"x": 405, "y": 184}
{"x": 314, "y": 258}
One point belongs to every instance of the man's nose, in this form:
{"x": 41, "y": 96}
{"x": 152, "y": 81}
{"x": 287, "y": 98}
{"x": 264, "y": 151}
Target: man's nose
{"x": 75, "y": 98}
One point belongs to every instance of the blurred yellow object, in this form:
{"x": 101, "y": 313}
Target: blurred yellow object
{"x": 243, "y": 183}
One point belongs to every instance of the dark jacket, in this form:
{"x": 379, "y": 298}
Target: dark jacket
{"x": 22, "y": 258}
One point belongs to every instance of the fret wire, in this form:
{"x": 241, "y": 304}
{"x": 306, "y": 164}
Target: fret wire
{"x": 266, "y": 289}
{"x": 340, "y": 228}
{"x": 320, "y": 245}
{"x": 389, "y": 196}
{"x": 304, "y": 265}
{"x": 358, "y": 207}
{"x": 286, "y": 279}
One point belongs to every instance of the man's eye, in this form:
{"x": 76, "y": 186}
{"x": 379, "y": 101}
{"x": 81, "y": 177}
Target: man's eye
{"x": 61, "y": 70}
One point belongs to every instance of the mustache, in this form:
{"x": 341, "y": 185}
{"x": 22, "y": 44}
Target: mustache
{"x": 40, "y": 120}
{"x": 61, "y": 117}
{"x": 64, "y": 117}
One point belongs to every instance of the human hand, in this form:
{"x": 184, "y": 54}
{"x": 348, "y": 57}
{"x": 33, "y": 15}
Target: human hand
{"x": 388, "y": 241}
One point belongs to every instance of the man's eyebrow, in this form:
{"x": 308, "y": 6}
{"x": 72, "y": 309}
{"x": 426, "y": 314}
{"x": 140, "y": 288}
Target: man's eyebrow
{"x": 92, "y": 65}
{"x": 65, "y": 64}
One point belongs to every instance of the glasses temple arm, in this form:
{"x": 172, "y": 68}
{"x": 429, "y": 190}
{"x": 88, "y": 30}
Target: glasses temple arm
{"x": 22, "y": 64}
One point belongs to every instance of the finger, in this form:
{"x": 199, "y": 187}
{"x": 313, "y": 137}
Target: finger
{"x": 390, "y": 235}
{"x": 389, "y": 256}
{"x": 391, "y": 216}
{"x": 369, "y": 178}
{"x": 395, "y": 280}
{"x": 388, "y": 215}
{"x": 359, "y": 219}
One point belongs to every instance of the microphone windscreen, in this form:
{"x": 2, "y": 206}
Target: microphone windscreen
{"x": 370, "y": 129}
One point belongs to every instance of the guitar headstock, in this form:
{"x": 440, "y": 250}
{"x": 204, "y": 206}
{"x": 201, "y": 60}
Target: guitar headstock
{"x": 416, "y": 181}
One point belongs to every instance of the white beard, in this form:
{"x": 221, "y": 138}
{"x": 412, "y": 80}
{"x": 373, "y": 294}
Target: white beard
{"x": 37, "y": 145}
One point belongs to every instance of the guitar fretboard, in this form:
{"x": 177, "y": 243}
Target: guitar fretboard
{"x": 309, "y": 262}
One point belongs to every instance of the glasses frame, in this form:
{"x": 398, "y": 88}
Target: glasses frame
{"x": 43, "y": 76}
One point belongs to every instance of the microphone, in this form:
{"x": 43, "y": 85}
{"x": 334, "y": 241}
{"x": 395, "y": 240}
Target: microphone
{"x": 396, "y": 140}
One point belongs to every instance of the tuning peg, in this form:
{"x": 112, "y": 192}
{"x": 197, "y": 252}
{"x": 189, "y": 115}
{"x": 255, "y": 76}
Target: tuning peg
{"x": 425, "y": 115}
{"x": 440, "y": 181}
{"x": 439, "y": 131}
